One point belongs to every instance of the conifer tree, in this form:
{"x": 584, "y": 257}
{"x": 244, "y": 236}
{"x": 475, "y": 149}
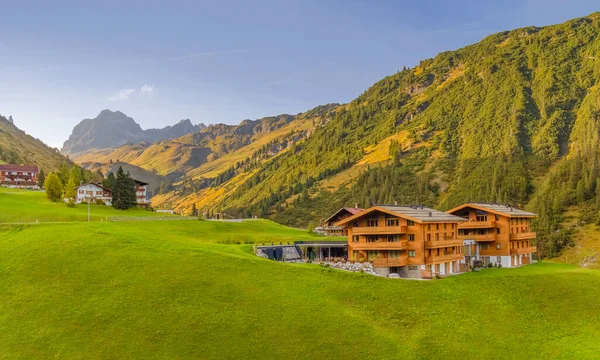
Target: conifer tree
{"x": 41, "y": 178}
{"x": 123, "y": 191}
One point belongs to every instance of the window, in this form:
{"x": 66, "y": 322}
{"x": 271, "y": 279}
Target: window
{"x": 412, "y": 253}
{"x": 99, "y": 193}
{"x": 496, "y": 217}
{"x": 372, "y": 223}
{"x": 497, "y": 230}
{"x": 428, "y": 227}
{"x": 428, "y": 237}
{"x": 499, "y": 259}
{"x": 392, "y": 222}
{"x": 481, "y": 218}
{"x": 411, "y": 237}
{"x": 498, "y": 246}
{"x": 372, "y": 254}
{"x": 372, "y": 238}
{"x": 437, "y": 237}
{"x": 393, "y": 238}
{"x": 484, "y": 246}
{"x": 413, "y": 267}
{"x": 452, "y": 226}
{"x": 445, "y": 226}
{"x": 355, "y": 224}
{"x": 354, "y": 238}
{"x": 410, "y": 223}
{"x": 394, "y": 254}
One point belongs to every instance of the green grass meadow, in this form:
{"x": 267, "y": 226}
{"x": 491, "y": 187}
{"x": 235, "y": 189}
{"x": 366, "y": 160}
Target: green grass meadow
{"x": 193, "y": 289}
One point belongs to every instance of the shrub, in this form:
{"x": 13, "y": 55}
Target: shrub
{"x": 70, "y": 203}
{"x": 100, "y": 202}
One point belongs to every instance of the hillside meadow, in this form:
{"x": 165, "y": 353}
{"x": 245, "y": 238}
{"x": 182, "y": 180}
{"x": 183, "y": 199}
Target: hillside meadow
{"x": 193, "y": 289}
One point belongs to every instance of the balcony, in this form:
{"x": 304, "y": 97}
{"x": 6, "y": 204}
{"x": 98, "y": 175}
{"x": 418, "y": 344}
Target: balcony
{"x": 479, "y": 237}
{"x": 523, "y": 250}
{"x": 433, "y": 244}
{"x": 477, "y": 224}
{"x": 522, "y": 236}
{"x": 443, "y": 258}
{"x": 378, "y": 230}
{"x": 380, "y": 245}
{"x": 389, "y": 262}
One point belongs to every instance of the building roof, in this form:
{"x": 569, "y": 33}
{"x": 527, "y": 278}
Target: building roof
{"x": 419, "y": 214}
{"x": 22, "y": 168}
{"x": 140, "y": 183}
{"x": 351, "y": 210}
{"x": 499, "y": 209}
{"x": 96, "y": 184}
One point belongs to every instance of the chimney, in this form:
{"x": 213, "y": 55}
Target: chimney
{"x": 356, "y": 205}
{"x": 430, "y": 214}
{"x": 395, "y": 203}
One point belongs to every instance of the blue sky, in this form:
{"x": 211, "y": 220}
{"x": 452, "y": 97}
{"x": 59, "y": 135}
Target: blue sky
{"x": 225, "y": 61}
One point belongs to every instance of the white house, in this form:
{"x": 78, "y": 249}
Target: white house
{"x": 141, "y": 194}
{"x": 91, "y": 192}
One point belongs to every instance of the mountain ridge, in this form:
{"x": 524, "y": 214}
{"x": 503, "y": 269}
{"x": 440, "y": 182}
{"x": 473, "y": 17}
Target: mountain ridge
{"x": 111, "y": 129}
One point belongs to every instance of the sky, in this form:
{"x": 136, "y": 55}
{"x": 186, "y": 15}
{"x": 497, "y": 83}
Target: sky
{"x": 226, "y": 61}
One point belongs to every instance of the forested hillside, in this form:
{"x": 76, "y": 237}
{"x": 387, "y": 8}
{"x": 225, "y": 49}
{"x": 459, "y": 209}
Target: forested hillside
{"x": 16, "y": 147}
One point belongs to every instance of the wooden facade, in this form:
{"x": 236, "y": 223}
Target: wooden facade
{"x": 410, "y": 241}
{"x": 330, "y": 228}
{"x": 19, "y": 176}
{"x": 496, "y": 234}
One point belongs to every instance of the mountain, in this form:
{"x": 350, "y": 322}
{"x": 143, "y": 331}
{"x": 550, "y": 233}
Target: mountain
{"x": 213, "y": 149}
{"x": 16, "y": 147}
{"x": 514, "y": 119}
{"x": 112, "y": 129}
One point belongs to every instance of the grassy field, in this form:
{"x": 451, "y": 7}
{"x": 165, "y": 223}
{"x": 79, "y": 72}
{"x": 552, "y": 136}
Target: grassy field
{"x": 31, "y": 206}
{"x": 193, "y": 289}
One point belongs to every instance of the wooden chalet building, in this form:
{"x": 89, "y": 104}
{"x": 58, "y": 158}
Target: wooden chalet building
{"x": 19, "y": 176}
{"x": 412, "y": 241}
{"x": 330, "y": 228}
{"x": 496, "y": 234}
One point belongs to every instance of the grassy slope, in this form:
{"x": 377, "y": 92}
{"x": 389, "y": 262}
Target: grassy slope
{"x": 29, "y": 206}
{"x": 30, "y": 151}
{"x": 187, "y": 290}
{"x": 169, "y": 289}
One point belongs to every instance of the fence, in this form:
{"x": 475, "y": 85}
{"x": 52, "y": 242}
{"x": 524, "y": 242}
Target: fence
{"x": 151, "y": 218}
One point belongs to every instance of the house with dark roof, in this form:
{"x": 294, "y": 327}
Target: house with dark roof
{"x": 411, "y": 241}
{"x": 19, "y": 176}
{"x": 91, "y": 192}
{"x": 329, "y": 227}
{"x": 496, "y": 234}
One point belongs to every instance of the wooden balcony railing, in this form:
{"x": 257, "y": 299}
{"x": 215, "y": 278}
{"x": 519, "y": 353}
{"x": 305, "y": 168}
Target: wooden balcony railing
{"x": 523, "y": 250}
{"x": 477, "y": 224}
{"x": 434, "y": 244}
{"x": 479, "y": 237}
{"x": 443, "y": 258}
{"x": 380, "y": 245}
{"x": 388, "y": 262}
{"x": 522, "y": 236}
{"x": 378, "y": 230}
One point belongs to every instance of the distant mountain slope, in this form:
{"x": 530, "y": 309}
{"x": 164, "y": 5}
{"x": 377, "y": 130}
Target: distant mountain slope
{"x": 113, "y": 129}
{"x": 213, "y": 149}
{"x": 17, "y": 147}
{"x": 514, "y": 118}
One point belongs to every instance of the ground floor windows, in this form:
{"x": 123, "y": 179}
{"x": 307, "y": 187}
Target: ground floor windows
{"x": 413, "y": 267}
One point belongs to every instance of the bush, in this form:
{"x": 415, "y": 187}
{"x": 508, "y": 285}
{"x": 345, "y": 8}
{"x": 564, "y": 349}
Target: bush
{"x": 100, "y": 202}
{"x": 70, "y": 203}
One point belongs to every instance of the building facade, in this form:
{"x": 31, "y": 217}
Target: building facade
{"x": 496, "y": 234}
{"x": 141, "y": 193}
{"x": 412, "y": 241}
{"x": 19, "y": 176}
{"x": 91, "y": 192}
{"x": 330, "y": 228}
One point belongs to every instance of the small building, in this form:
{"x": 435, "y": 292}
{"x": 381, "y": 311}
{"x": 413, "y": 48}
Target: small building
{"x": 166, "y": 211}
{"x": 496, "y": 234}
{"x": 91, "y": 192}
{"x": 141, "y": 193}
{"x": 412, "y": 241}
{"x": 329, "y": 226}
{"x": 19, "y": 176}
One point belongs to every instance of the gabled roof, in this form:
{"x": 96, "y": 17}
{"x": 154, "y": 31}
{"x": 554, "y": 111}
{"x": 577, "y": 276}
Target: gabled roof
{"x": 96, "y": 184}
{"x": 351, "y": 210}
{"x": 419, "y": 214}
{"x": 140, "y": 183}
{"x": 498, "y": 209}
{"x": 22, "y": 168}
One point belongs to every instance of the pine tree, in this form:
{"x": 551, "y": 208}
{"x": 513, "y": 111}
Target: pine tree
{"x": 109, "y": 181}
{"x": 123, "y": 191}
{"x": 41, "y": 178}
{"x": 194, "y": 210}
{"x": 53, "y": 187}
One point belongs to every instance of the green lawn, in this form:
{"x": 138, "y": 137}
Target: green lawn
{"x": 192, "y": 289}
{"x": 31, "y": 206}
